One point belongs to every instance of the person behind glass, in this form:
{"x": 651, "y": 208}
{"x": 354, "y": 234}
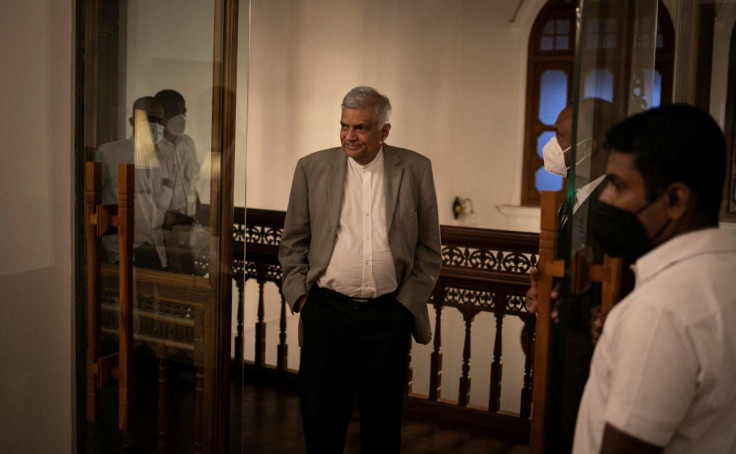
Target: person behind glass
{"x": 663, "y": 372}
{"x": 573, "y": 336}
{"x": 179, "y": 156}
{"x": 590, "y": 172}
{"x": 360, "y": 253}
{"x": 139, "y": 149}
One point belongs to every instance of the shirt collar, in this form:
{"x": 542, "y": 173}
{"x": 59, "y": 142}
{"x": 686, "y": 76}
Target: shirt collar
{"x": 682, "y": 247}
{"x": 377, "y": 160}
{"x": 584, "y": 192}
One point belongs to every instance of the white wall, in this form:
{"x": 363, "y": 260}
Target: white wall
{"x": 455, "y": 73}
{"x": 36, "y": 202}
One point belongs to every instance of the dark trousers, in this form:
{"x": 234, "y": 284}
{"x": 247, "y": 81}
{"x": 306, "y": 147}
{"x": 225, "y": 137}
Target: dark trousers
{"x": 353, "y": 350}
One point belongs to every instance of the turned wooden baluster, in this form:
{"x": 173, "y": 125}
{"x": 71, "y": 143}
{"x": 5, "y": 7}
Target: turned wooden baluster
{"x": 526, "y": 392}
{"x": 464, "y": 393}
{"x": 494, "y": 400}
{"x": 435, "y": 371}
{"x": 260, "y": 353}
{"x": 283, "y": 348}
{"x": 240, "y": 284}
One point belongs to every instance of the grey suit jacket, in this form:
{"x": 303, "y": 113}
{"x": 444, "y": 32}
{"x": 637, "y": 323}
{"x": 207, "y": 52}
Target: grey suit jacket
{"x": 313, "y": 215}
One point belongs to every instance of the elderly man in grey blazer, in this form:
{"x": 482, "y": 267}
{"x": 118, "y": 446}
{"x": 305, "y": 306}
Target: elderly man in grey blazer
{"x": 360, "y": 254}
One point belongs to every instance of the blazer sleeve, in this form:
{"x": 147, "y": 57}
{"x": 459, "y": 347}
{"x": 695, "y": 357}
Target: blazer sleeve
{"x": 417, "y": 288}
{"x": 295, "y": 239}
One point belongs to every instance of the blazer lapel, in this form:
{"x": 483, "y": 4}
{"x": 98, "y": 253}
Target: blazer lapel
{"x": 336, "y": 186}
{"x": 394, "y": 170}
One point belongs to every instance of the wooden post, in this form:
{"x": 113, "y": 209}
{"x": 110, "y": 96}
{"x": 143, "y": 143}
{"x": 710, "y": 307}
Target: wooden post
{"x": 609, "y": 275}
{"x": 126, "y": 194}
{"x": 549, "y": 268}
{"x": 92, "y": 199}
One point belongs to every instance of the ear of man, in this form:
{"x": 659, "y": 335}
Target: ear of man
{"x": 680, "y": 201}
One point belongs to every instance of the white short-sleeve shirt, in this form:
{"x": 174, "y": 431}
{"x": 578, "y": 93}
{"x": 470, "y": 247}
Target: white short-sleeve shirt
{"x": 664, "y": 369}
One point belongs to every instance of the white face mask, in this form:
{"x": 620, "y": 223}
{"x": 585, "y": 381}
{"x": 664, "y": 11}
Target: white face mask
{"x": 554, "y": 155}
{"x": 176, "y": 124}
{"x": 157, "y": 132}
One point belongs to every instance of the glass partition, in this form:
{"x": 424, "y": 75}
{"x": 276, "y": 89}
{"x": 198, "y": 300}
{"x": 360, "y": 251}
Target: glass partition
{"x": 626, "y": 62}
{"x": 158, "y": 88}
{"x": 614, "y": 76}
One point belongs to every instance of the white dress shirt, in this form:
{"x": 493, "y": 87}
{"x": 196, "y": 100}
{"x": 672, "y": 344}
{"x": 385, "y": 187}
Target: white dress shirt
{"x": 149, "y": 197}
{"x": 180, "y": 161}
{"x": 362, "y": 265}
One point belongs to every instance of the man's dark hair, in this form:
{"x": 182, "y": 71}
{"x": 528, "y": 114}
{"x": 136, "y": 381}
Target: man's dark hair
{"x": 676, "y": 143}
{"x": 168, "y": 98}
{"x": 144, "y": 103}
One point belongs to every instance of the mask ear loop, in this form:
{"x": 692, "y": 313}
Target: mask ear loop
{"x": 579, "y": 144}
{"x": 661, "y": 230}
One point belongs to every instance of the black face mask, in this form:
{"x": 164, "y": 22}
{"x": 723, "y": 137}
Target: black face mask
{"x": 619, "y": 232}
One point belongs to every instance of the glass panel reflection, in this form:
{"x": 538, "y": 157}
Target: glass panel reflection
{"x": 153, "y": 109}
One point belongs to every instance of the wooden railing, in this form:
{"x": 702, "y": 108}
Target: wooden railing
{"x": 483, "y": 271}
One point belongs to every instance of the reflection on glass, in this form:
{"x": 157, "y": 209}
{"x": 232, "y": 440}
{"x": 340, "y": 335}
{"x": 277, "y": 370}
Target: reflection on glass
{"x": 140, "y": 149}
{"x": 555, "y": 35}
{"x": 601, "y": 33}
{"x": 599, "y": 84}
{"x": 184, "y": 236}
{"x": 152, "y": 107}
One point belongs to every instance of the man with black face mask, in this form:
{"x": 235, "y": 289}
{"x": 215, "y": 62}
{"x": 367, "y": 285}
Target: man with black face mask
{"x": 663, "y": 372}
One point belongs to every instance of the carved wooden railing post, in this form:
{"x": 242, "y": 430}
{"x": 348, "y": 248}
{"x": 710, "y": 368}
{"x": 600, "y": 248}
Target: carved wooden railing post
{"x": 464, "y": 393}
{"x": 494, "y": 399}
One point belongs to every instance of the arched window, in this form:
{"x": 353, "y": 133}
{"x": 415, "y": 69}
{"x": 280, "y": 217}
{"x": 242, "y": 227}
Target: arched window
{"x": 551, "y": 59}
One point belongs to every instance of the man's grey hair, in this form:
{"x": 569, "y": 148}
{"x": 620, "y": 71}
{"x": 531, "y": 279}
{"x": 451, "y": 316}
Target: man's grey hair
{"x": 363, "y": 97}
